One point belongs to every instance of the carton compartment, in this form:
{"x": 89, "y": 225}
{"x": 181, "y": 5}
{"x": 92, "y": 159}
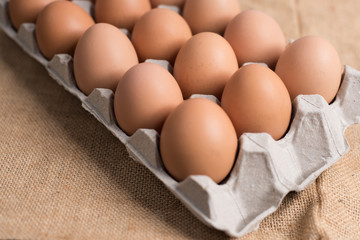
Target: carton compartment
{"x": 265, "y": 170}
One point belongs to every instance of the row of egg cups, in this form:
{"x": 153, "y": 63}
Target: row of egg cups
{"x": 199, "y": 193}
{"x": 225, "y": 142}
{"x": 25, "y": 37}
{"x": 255, "y": 100}
{"x": 49, "y": 46}
{"x": 216, "y": 170}
{"x": 64, "y": 76}
{"x": 202, "y": 15}
{"x": 294, "y": 86}
{"x": 227, "y": 18}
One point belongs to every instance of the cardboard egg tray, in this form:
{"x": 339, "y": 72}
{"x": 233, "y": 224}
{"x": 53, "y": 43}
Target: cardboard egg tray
{"x": 265, "y": 170}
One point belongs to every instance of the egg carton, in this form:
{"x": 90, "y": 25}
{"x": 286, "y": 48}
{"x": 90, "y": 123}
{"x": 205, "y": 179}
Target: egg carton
{"x": 265, "y": 170}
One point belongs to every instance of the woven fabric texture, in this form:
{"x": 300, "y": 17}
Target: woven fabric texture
{"x": 64, "y": 176}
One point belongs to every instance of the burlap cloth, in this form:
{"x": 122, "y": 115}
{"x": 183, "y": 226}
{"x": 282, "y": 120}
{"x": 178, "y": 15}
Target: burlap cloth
{"x": 64, "y": 176}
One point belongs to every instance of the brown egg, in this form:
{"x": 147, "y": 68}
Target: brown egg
{"x": 310, "y": 65}
{"x": 26, "y": 11}
{"x": 159, "y": 34}
{"x": 102, "y": 56}
{"x": 255, "y": 37}
{"x": 144, "y": 97}
{"x": 198, "y": 138}
{"x": 256, "y": 100}
{"x": 204, "y": 64}
{"x": 179, "y": 3}
{"x": 121, "y": 13}
{"x": 59, "y": 27}
{"x": 210, "y": 15}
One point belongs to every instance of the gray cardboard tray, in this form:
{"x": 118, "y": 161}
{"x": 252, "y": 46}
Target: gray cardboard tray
{"x": 265, "y": 170}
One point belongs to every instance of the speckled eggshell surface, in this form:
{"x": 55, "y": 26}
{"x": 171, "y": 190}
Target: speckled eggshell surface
{"x": 159, "y": 34}
{"x": 121, "y": 13}
{"x": 145, "y": 97}
{"x": 256, "y": 100}
{"x": 210, "y": 15}
{"x": 26, "y": 11}
{"x": 59, "y": 27}
{"x": 204, "y": 64}
{"x": 198, "y": 138}
{"x": 255, "y": 37}
{"x": 310, "y": 65}
{"x": 179, "y": 3}
{"x": 102, "y": 56}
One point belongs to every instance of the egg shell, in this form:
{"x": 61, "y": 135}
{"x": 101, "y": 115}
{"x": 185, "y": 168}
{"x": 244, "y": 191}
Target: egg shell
{"x": 255, "y": 37}
{"x": 59, "y": 27}
{"x": 26, "y": 11}
{"x": 210, "y": 15}
{"x": 121, "y": 13}
{"x": 144, "y": 97}
{"x": 198, "y": 138}
{"x": 310, "y": 65}
{"x": 204, "y": 64}
{"x": 156, "y": 3}
{"x": 256, "y": 101}
{"x": 102, "y": 56}
{"x": 159, "y": 34}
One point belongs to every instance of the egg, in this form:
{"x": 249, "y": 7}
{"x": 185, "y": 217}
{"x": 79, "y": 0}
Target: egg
{"x": 26, "y": 11}
{"x": 144, "y": 97}
{"x": 102, "y": 56}
{"x": 198, "y": 138}
{"x": 204, "y": 64}
{"x": 159, "y": 34}
{"x": 256, "y": 100}
{"x": 179, "y": 3}
{"x": 255, "y": 37}
{"x": 310, "y": 65}
{"x": 121, "y": 13}
{"x": 59, "y": 27}
{"x": 210, "y": 15}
